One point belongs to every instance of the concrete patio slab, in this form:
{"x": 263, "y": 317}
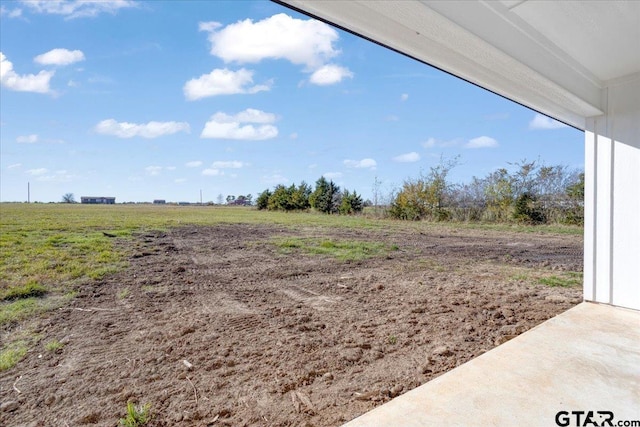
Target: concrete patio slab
{"x": 585, "y": 359}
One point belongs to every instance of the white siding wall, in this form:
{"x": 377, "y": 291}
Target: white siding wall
{"x": 612, "y": 198}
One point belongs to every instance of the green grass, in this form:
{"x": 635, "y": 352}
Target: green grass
{"x": 11, "y": 354}
{"x": 21, "y": 309}
{"x": 137, "y": 416}
{"x": 53, "y": 345}
{"x": 567, "y": 280}
{"x": 26, "y": 290}
{"x": 343, "y": 250}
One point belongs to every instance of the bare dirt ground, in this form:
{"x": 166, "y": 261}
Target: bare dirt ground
{"x": 273, "y": 339}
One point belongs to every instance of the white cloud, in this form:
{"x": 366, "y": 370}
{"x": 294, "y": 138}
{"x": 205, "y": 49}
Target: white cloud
{"x": 15, "y": 13}
{"x": 27, "y": 139}
{"x": 303, "y": 42}
{"x": 407, "y": 158}
{"x": 429, "y": 143}
{"x": 224, "y": 126}
{"x": 170, "y": 168}
{"x": 59, "y": 57}
{"x": 232, "y": 164}
{"x": 481, "y": 142}
{"x": 38, "y": 83}
{"x": 71, "y": 9}
{"x": 361, "y": 164}
{"x": 147, "y": 130}
{"x": 293, "y": 135}
{"x": 329, "y": 74}
{"x": 212, "y": 172}
{"x": 222, "y": 81}
{"x": 180, "y": 180}
{"x": 37, "y": 172}
{"x": 433, "y": 142}
{"x": 194, "y": 164}
{"x": 392, "y": 118}
{"x": 332, "y": 175}
{"x": 33, "y": 138}
{"x": 153, "y": 170}
{"x": 209, "y": 26}
{"x": 543, "y": 122}
{"x": 15, "y": 166}
{"x": 404, "y": 97}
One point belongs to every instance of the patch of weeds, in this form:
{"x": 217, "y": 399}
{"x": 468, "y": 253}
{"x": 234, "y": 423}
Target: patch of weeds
{"x": 28, "y": 290}
{"x": 21, "y": 309}
{"x": 568, "y": 281}
{"x": 343, "y": 250}
{"x": 393, "y": 340}
{"x": 123, "y": 293}
{"x": 53, "y": 345}
{"x": 136, "y": 415}
{"x": 11, "y": 354}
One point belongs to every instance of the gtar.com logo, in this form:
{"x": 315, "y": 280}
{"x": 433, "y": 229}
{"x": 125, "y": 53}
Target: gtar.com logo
{"x": 591, "y": 418}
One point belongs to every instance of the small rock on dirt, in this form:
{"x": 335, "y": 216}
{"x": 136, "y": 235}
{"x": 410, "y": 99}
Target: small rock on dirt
{"x": 396, "y": 390}
{"x": 9, "y": 406}
{"x": 352, "y": 354}
{"x": 328, "y": 376}
{"x": 443, "y": 351}
{"x": 504, "y": 338}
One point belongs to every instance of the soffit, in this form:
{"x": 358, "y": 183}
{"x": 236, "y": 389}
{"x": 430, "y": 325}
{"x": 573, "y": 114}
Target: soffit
{"x": 554, "y": 57}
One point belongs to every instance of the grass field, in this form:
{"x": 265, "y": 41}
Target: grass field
{"x": 48, "y": 250}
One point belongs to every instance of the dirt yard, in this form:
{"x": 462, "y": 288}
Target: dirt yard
{"x": 218, "y": 326}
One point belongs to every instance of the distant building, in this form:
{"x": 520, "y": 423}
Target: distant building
{"x": 98, "y": 200}
{"x": 159, "y": 202}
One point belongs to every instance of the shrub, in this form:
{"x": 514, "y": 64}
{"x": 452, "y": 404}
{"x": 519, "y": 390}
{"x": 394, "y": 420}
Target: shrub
{"x": 528, "y": 210}
{"x": 351, "y": 203}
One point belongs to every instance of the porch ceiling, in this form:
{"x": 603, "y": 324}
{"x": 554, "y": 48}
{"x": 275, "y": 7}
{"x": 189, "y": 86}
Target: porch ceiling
{"x": 554, "y": 57}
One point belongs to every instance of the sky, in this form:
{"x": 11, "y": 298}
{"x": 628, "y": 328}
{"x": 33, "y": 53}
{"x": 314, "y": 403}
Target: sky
{"x": 144, "y": 100}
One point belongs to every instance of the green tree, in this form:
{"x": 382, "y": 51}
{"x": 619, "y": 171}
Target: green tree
{"x": 262, "y": 202}
{"x": 323, "y": 197}
{"x": 281, "y": 198}
{"x": 499, "y": 195}
{"x": 351, "y": 203}
{"x": 300, "y": 196}
{"x": 575, "y": 193}
{"x": 528, "y": 210}
{"x": 424, "y": 197}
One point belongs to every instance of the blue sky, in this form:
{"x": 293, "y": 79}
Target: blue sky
{"x": 159, "y": 100}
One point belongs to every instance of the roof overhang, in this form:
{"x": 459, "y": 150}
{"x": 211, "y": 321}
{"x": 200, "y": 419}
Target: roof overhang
{"x": 555, "y": 57}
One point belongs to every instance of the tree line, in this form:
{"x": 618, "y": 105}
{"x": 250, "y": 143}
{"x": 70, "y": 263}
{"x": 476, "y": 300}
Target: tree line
{"x": 327, "y": 197}
{"x": 530, "y": 193}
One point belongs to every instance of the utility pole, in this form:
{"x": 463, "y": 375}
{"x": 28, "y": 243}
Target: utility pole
{"x": 200, "y": 196}
{"x": 28, "y": 192}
